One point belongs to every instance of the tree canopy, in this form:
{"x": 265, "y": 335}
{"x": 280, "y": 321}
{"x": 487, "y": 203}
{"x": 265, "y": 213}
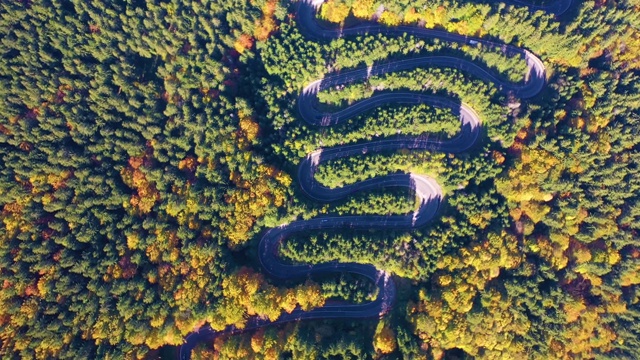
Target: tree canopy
{"x": 146, "y": 145}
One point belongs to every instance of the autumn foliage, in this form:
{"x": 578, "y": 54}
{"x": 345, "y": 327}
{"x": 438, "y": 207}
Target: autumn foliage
{"x": 246, "y": 293}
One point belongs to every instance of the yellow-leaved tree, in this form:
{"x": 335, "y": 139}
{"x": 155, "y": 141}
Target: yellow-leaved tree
{"x": 384, "y": 339}
{"x": 335, "y": 11}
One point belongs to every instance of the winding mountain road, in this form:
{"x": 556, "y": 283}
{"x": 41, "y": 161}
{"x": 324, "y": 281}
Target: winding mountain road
{"x": 426, "y": 189}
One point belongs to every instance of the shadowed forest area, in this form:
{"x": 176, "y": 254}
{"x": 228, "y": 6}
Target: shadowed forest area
{"x": 146, "y": 145}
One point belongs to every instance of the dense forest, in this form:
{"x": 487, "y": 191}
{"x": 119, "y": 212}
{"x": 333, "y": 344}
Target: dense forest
{"x": 147, "y": 145}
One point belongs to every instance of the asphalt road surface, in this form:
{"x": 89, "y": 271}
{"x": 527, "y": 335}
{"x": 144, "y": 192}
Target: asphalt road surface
{"x": 426, "y": 189}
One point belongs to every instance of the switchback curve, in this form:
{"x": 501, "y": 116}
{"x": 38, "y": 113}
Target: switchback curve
{"x": 427, "y": 189}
